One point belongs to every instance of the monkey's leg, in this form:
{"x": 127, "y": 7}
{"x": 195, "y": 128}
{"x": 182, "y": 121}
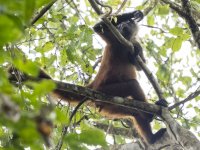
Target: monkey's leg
{"x": 144, "y": 129}
{"x": 138, "y": 50}
{"x": 129, "y": 88}
{"x": 141, "y": 120}
{"x": 122, "y": 89}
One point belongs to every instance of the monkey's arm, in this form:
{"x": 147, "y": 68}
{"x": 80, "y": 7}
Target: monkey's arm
{"x": 102, "y": 29}
{"x": 136, "y": 15}
{"x": 138, "y": 50}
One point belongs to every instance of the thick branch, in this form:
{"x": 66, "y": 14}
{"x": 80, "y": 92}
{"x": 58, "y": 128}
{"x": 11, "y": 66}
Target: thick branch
{"x": 98, "y": 96}
{"x": 191, "y": 21}
{"x": 182, "y": 136}
{"x": 175, "y": 7}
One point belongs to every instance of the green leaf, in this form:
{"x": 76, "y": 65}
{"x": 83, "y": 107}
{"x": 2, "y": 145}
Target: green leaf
{"x": 198, "y": 1}
{"x": 50, "y": 61}
{"x": 10, "y": 29}
{"x": 185, "y": 36}
{"x": 186, "y": 80}
{"x": 150, "y": 20}
{"x": 5, "y": 85}
{"x": 5, "y": 56}
{"x": 63, "y": 57}
{"x": 157, "y": 125}
{"x": 61, "y": 116}
{"x": 168, "y": 42}
{"x": 119, "y": 139}
{"x": 163, "y": 10}
{"x": 177, "y": 43}
{"x": 190, "y": 106}
{"x": 180, "y": 92}
{"x": 43, "y": 87}
{"x": 176, "y": 31}
{"x": 162, "y": 73}
{"x": 47, "y": 47}
{"x": 27, "y": 67}
{"x": 40, "y": 3}
{"x": 90, "y": 136}
{"x": 28, "y": 10}
{"x": 163, "y": 51}
{"x": 25, "y": 132}
{"x": 93, "y": 137}
{"x": 196, "y": 109}
{"x": 72, "y": 140}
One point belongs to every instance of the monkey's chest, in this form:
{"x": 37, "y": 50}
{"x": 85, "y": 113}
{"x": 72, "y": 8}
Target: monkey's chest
{"x": 118, "y": 73}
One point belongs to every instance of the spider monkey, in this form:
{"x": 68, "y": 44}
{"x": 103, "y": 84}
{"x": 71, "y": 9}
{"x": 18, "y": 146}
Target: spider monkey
{"x": 117, "y": 75}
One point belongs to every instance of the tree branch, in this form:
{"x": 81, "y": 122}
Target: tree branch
{"x": 121, "y": 6}
{"x": 185, "y": 12}
{"x": 42, "y": 12}
{"x": 190, "y": 97}
{"x": 101, "y": 97}
{"x": 178, "y": 134}
{"x": 191, "y": 21}
{"x": 174, "y": 6}
{"x": 151, "y": 6}
{"x": 128, "y": 133}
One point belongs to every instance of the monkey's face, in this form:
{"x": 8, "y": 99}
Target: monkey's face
{"x": 128, "y": 29}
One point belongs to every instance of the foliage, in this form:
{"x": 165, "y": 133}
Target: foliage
{"x": 63, "y": 44}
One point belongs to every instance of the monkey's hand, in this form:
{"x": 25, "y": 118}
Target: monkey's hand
{"x": 138, "y": 15}
{"x": 137, "y": 51}
{"x": 162, "y": 102}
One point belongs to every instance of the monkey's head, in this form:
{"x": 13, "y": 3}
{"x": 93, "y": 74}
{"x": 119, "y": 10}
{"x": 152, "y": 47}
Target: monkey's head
{"x": 128, "y": 29}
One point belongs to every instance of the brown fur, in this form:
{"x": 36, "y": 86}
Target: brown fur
{"x": 117, "y": 77}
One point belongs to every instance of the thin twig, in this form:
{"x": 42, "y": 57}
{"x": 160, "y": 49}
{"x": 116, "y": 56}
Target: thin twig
{"x": 93, "y": 67}
{"x": 60, "y": 142}
{"x": 151, "y": 6}
{"x": 65, "y": 128}
{"x": 190, "y": 97}
{"x": 105, "y": 6}
{"x": 120, "y": 8}
{"x": 153, "y": 27}
{"x": 77, "y": 107}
